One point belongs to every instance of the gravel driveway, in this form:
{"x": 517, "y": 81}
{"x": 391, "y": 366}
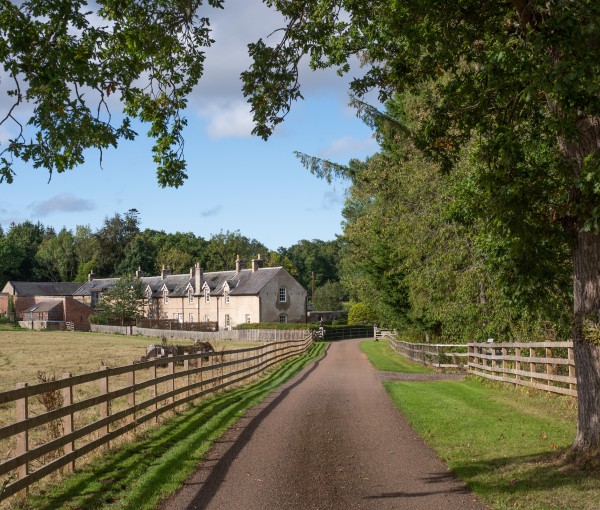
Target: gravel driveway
{"x": 329, "y": 439}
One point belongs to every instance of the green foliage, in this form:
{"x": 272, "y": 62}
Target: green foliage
{"x": 67, "y": 58}
{"x": 122, "y": 302}
{"x": 360, "y": 314}
{"x": 316, "y": 256}
{"x": 329, "y": 296}
{"x": 223, "y": 248}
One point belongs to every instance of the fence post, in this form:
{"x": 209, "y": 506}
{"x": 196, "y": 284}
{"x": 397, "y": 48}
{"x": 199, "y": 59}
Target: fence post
{"x": 104, "y": 406}
{"x": 154, "y": 393}
{"x": 22, "y": 445}
{"x": 186, "y": 368}
{"x": 68, "y": 424}
{"x": 572, "y": 374}
{"x": 171, "y": 382}
{"x": 549, "y": 366}
{"x": 131, "y": 394}
{"x": 518, "y": 362}
{"x": 532, "y": 365}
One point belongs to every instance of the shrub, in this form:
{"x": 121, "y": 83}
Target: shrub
{"x": 361, "y": 314}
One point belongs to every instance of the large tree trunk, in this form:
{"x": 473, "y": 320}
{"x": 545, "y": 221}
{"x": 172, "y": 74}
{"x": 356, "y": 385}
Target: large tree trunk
{"x": 586, "y": 295}
{"x": 586, "y": 339}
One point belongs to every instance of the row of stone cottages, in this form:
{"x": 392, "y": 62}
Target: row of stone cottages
{"x": 228, "y": 298}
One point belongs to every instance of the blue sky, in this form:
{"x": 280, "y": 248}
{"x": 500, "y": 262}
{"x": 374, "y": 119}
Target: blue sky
{"x": 236, "y": 181}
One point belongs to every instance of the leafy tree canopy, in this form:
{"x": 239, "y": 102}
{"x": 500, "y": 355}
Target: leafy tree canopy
{"x": 65, "y": 58}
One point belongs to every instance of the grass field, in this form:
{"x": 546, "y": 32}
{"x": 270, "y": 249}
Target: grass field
{"x": 140, "y": 474}
{"x": 24, "y": 352}
{"x": 508, "y": 444}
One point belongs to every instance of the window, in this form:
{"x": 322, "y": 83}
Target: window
{"x": 95, "y": 299}
{"x": 190, "y": 296}
{"x": 282, "y": 295}
{"x": 175, "y": 316}
{"x": 165, "y": 296}
{"x": 191, "y": 317}
{"x": 207, "y": 295}
{"x": 247, "y": 318}
{"x": 283, "y": 318}
{"x": 165, "y": 315}
{"x": 226, "y": 297}
{"x": 227, "y": 320}
{"x": 206, "y": 318}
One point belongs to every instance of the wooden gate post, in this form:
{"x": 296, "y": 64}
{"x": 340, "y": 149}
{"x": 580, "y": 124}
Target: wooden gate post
{"x": 68, "y": 422}
{"x": 131, "y": 394}
{"x": 104, "y": 406}
{"x": 22, "y": 445}
{"x": 572, "y": 374}
{"x": 154, "y": 392}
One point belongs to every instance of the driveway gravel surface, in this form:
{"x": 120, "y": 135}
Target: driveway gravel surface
{"x": 328, "y": 439}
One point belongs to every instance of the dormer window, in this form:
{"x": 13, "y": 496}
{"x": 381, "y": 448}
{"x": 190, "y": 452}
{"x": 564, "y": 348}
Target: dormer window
{"x": 190, "y": 296}
{"x": 227, "y": 297}
{"x": 165, "y": 296}
{"x": 207, "y": 295}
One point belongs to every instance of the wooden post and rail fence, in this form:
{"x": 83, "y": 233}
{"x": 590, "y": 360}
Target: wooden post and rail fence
{"x": 547, "y": 366}
{"x": 101, "y": 407}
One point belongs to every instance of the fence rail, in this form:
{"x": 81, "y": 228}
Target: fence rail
{"x": 124, "y": 398}
{"x": 238, "y": 335}
{"x": 436, "y": 355}
{"x": 548, "y": 366}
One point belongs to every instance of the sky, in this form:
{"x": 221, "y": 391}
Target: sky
{"x": 236, "y": 181}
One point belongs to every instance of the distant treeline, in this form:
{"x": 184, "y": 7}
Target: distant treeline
{"x": 36, "y": 252}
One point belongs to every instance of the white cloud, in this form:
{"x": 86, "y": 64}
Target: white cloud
{"x": 63, "y": 202}
{"x": 348, "y": 147}
{"x": 228, "y": 120}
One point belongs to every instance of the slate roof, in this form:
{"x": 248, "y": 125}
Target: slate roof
{"x": 44, "y": 288}
{"x": 44, "y": 306}
{"x": 244, "y": 283}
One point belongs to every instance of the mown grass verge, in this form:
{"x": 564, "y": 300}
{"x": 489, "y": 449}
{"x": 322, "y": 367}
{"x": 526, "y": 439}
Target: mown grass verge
{"x": 382, "y": 357}
{"x": 142, "y": 473}
{"x": 507, "y": 444}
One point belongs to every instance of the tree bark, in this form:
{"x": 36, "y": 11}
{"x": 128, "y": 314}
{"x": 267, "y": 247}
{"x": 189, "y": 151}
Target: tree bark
{"x": 586, "y": 339}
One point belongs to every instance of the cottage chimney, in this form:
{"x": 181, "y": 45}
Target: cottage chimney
{"x": 257, "y": 263}
{"x": 165, "y": 272}
{"x": 91, "y": 276}
{"x": 198, "y": 276}
{"x": 240, "y": 264}
{"x": 139, "y": 273}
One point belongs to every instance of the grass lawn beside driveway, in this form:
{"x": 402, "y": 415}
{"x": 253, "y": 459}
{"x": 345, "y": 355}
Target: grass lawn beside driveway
{"x": 383, "y": 358}
{"x": 508, "y": 444}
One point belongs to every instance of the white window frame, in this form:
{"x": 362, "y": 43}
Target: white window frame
{"x": 227, "y": 320}
{"x": 165, "y": 296}
{"x": 190, "y": 296}
{"x": 247, "y": 318}
{"x": 191, "y": 317}
{"x": 207, "y": 295}
{"x": 206, "y": 318}
{"x": 227, "y": 297}
{"x": 282, "y": 294}
{"x": 283, "y": 318}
